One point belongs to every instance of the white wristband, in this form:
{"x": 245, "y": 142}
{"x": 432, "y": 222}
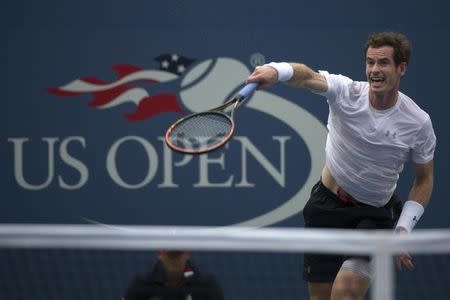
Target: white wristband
{"x": 411, "y": 213}
{"x": 284, "y": 70}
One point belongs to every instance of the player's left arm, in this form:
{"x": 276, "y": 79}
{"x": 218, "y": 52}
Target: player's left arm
{"x": 413, "y": 209}
{"x": 418, "y": 197}
{"x": 423, "y": 183}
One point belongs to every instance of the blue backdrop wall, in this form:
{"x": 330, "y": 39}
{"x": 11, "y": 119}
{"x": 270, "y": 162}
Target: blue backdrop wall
{"x": 89, "y": 88}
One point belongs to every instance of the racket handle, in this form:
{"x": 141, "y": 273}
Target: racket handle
{"x": 248, "y": 89}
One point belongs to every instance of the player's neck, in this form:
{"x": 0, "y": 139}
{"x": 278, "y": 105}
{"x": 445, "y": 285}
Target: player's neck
{"x": 383, "y": 101}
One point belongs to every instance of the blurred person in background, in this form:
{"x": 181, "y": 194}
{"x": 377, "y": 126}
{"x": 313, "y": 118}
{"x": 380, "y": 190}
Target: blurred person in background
{"x": 174, "y": 277}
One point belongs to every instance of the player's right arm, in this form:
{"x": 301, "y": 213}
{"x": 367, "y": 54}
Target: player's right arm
{"x": 305, "y": 77}
{"x": 294, "y": 74}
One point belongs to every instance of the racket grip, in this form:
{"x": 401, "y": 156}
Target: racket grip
{"x": 248, "y": 89}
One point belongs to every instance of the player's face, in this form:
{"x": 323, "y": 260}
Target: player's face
{"x": 382, "y": 73}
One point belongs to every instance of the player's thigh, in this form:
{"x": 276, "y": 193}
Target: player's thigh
{"x": 349, "y": 285}
{"x": 319, "y": 290}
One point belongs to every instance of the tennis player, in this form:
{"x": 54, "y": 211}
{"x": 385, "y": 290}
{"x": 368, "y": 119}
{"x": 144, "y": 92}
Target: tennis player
{"x": 373, "y": 129}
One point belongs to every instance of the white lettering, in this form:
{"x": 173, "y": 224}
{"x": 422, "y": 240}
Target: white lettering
{"x": 205, "y": 160}
{"x": 111, "y": 164}
{"x": 167, "y": 165}
{"x": 249, "y": 147}
{"x": 18, "y": 163}
{"x": 75, "y": 163}
{"x": 211, "y": 167}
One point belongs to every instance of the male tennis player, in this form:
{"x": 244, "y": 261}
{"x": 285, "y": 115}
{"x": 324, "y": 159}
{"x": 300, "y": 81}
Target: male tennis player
{"x": 373, "y": 130}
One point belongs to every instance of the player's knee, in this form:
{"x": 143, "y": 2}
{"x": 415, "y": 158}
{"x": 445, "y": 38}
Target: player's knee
{"x": 349, "y": 285}
{"x": 344, "y": 290}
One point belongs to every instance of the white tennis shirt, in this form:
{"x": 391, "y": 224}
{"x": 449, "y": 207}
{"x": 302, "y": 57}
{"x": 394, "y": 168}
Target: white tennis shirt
{"x": 367, "y": 148}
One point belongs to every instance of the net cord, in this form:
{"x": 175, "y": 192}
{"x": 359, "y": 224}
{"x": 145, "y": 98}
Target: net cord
{"x": 222, "y": 238}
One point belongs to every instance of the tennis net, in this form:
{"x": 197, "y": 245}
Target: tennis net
{"x": 98, "y": 261}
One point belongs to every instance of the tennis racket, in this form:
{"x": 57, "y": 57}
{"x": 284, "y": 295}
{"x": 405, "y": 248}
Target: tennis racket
{"x": 206, "y": 131}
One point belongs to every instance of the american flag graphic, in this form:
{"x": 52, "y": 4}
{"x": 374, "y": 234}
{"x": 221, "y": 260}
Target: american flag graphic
{"x": 128, "y": 87}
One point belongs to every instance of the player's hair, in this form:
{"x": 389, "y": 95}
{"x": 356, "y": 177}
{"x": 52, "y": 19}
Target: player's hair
{"x": 398, "y": 41}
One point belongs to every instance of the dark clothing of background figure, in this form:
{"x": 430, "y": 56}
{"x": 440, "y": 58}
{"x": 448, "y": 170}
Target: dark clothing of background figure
{"x": 196, "y": 286}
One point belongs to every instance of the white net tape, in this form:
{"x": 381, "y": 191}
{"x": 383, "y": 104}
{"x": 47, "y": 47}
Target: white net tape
{"x": 382, "y": 245}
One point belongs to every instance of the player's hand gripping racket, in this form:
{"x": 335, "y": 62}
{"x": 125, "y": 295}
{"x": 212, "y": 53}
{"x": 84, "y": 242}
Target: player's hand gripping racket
{"x": 205, "y": 131}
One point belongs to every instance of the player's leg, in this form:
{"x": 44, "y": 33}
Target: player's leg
{"x": 320, "y": 270}
{"x": 352, "y": 280}
{"x": 319, "y": 290}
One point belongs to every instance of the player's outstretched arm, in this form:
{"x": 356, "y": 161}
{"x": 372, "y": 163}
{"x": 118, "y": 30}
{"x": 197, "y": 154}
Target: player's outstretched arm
{"x": 294, "y": 74}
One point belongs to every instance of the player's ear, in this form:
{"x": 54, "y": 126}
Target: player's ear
{"x": 403, "y": 67}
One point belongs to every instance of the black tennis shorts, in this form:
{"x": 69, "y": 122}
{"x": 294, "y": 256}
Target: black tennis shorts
{"x": 325, "y": 210}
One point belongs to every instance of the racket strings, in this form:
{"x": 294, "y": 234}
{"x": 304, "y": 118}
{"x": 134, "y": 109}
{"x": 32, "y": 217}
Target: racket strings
{"x": 201, "y": 131}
